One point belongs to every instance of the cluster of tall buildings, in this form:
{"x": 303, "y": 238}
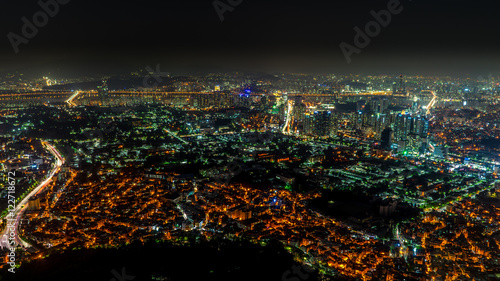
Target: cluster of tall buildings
{"x": 411, "y": 132}
{"x": 319, "y": 123}
{"x": 401, "y": 127}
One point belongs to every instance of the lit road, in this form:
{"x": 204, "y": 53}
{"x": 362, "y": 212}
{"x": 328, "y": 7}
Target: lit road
{"x": 70, "y": 100}
{"x": 432, "y": 103}
{"x": 286, "y": 127}
{"x": 175, "y": 136}
{"x": 21, "y": 206}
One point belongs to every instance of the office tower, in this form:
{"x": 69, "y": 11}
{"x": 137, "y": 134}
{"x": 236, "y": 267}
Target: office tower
{"x": 379, "y": 105}
{"x": 421, "y": 126}
{"x": 368, "y": 118}
{"x": 402, "y": 86}
{"x": 381, "y": 122}
{"x": 356, "y": 120}
{"x": 307, "y": 123}
{"x": 299, "y": 111}
{"x": 321, "y": 123}
{"x": 334, "y": 122}
{"x": 402, "y": 127}
{"x": 412, "y": 131}
{"x": 102, "y": 91}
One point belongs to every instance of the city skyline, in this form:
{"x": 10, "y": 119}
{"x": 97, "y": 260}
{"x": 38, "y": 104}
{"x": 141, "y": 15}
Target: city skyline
{"x": 349, "y": 177}
{"x": 249, "y": 140}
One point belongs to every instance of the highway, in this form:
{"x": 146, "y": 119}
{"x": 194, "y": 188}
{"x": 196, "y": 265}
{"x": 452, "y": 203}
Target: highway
{"x": 432, "y": 103}
{"x": 70, "y": 97}
{"x": 21, "y": 206}
{"x": 288, "y": 123}
{"x": 175, "y": 136}
{"x": 70, "y": 100}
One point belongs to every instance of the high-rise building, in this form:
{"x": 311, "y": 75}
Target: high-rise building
{"x": 356, "y": 120}
{"x": 308, "y": 123}
{"x": 322, "y": 123}
{"x": 381, "y": 122}
{"x": 298, "y": 111}
{"x": 402, "y": 127}
{"x": 102, "y": 91}
{"x": 421, "y": 126}
{"x": 334, "y": 122}
{"x": 413, "y": 131}
{"x": 402, "y": 86}
{"x": 379, "y": 105}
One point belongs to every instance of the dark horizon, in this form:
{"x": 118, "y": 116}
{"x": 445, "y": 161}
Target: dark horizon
{"x": 83, "y": 38}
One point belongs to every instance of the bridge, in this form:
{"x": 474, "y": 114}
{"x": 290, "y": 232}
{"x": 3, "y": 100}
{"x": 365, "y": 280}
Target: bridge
{"x": 71, "y": 97}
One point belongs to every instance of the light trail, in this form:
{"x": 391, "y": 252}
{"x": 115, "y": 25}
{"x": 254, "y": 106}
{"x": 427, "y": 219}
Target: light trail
{"x": 432, "y": 103}
{"x": 175, "y": 136}
{"x": 71, "y": 98}
{"x": 286, "y": 127}
{"x": 23, "y": 205}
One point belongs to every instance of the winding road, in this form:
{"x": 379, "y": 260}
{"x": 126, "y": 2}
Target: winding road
{"x": 21, "y": 206}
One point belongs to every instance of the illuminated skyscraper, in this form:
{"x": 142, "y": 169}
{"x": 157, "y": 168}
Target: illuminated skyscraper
{"x": 102, "y": 91}
{"x": 412, "y": 131}
{"x": 322, "y": 123}
{"x": 402, "y": 127}
{"x": 299, "y": 111}
{"x": 399, "y": 87}
{"x": 402, "y": 86}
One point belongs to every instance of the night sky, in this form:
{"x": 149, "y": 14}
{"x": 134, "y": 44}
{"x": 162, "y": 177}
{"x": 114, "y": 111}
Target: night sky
{"x": 427, "y": 37}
